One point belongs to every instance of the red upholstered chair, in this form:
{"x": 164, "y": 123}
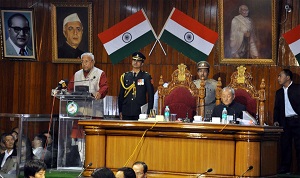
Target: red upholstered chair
{"x": 246, "y": 94}
{"x": 181, "y": 102}
{"x": 181, "y": 95}
{"x": 243, "y": 97}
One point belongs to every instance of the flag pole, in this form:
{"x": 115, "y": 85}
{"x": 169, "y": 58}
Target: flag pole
{"x": 157, "y": 40}
{"x": 162, "y": 47}
{"x": 153, "y": 47}
{"x": 154, "y": 35}
{"x": 161, "y": 34}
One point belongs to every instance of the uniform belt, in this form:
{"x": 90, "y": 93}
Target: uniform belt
{"x": 293, "y": 117}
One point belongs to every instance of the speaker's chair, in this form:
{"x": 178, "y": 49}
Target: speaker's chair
{"x": 246, "y": 93}
{"x": 181, "y": 95}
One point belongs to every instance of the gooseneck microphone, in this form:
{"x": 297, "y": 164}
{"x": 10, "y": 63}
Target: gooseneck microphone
{"x": 233, "y": 121}
{"x": 208, "y": 170}
{"x": 90, "y": 164}
{"x": 249, "y": 169}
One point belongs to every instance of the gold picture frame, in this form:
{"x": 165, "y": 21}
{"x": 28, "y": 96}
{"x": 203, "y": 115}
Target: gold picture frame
{"x": 250, "y": 41}
{"x": 62, "y": 52}
{"x": 17, "y": 36}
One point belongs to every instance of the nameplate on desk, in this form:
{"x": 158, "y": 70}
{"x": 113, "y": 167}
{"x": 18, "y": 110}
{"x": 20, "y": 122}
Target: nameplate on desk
{"x": 216, "y": 120}
{"x": 159, "y": 118}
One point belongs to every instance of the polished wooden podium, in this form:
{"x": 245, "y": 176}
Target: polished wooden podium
{"x": 181, "y": 150}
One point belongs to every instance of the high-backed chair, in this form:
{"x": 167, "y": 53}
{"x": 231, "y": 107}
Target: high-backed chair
{"x": 246, "y": 93}
{"x": 181, "y": 95}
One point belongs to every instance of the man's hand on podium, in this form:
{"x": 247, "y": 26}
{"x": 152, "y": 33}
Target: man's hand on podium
{"x": 97, "y": 95}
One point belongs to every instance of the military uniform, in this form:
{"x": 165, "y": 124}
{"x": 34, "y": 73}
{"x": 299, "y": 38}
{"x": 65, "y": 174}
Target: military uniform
{"x": 210, "y": 88}
{"x": 210, "y": 93}
{"x": 133, "y": 93}
{"x": 133, "y": 90}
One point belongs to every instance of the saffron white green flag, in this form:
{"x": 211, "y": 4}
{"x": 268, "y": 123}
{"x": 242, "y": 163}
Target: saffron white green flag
{"x": 292, "y": 37}
{"x": 127, "y": 36}
{"x": 188, "y": 36}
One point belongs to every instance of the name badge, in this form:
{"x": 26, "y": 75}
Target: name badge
{"x": 140, "y": 82}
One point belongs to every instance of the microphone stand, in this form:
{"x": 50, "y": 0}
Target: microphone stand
{"x": 233, "y": 121}
{"x": 187, "y": 114}
{"x": 208, "y": 170}
{"x": 84, "y": 169}
{"x": 249, "y": 169}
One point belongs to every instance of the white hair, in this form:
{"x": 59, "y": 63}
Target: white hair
{"x": 228, "y": 88}
{"x": 87, "y": 54}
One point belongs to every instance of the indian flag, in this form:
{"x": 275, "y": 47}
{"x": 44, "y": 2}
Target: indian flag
{"x": 128, "y": 36}
{"x": 188, "y": 36}
{"x": 292, "y": 37}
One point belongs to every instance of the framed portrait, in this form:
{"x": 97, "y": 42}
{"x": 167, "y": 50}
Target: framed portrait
{"x": 247, "y": 31}
{"x": 18, "y": 41}
{"x": 71, "y": 31}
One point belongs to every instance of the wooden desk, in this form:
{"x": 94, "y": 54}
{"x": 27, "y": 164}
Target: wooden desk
{"x": 180, "y": 150}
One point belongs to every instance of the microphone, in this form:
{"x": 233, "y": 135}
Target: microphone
{"x": 90, "y": 164}
{"x": 63, "y": 84}
{"x": 187, "y": 113}
{"x": 233, "y": 121}
{"x": 61, "y": 87}
{"x": 208, "y": 170}
{"x": 249, "y": 169}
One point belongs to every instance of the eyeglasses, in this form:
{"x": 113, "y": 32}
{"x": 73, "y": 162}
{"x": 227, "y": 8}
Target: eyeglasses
{"x": 25, "y": 30}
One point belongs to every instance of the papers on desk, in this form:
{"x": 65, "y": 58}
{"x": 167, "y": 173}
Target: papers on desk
{"x": 159, "y": 118}
{"x": 144, "y": 108}
{"x": 248, "y": 119}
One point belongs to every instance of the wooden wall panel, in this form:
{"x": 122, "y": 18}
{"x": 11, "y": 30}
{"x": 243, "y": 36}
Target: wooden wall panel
{"x": 26, "y": 86}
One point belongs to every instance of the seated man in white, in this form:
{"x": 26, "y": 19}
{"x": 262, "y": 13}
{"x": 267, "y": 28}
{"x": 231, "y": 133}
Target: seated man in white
{"x": 39, "y": 150}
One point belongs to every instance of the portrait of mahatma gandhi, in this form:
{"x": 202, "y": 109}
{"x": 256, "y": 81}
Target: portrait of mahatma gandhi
{"x": 73, "y": 31}
{"x": 17, "y": 34}
{"x": 247, "y": 31}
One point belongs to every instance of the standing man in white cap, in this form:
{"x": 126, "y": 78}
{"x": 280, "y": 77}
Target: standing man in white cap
{"x": 210, "y": 86}
{"x": 73, "y": 30}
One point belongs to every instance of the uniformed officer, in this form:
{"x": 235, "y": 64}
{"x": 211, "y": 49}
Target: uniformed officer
{"x": 210, "y": 86}
{"x": 135, "y": 85}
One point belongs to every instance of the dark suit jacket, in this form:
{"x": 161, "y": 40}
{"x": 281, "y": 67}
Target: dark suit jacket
{"x": 234, "y": 108}
{"x": 294, "y": 97}
{"x": 9, "y": 163}
{"x": 130, "y": 106}
{"x": 66, "y": 51}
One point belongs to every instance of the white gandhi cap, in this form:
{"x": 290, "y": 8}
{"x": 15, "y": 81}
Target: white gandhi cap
{"x": 71, "y": 18}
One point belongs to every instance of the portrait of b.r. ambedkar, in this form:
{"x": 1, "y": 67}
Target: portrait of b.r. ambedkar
{"x": 18, "y": 36}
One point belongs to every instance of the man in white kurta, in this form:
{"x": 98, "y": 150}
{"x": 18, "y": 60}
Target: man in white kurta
{"x": 96, "y": 80}
{"x": 242, "y": 36}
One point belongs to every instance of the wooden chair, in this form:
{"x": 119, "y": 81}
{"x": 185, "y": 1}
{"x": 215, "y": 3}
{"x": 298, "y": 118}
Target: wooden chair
{"x": 181, "y": 95}
{"x": 246, "y": 94}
